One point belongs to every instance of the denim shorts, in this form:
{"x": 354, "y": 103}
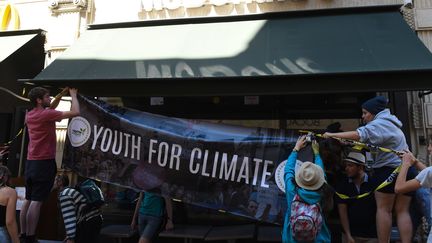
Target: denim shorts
{"x": 149, "y": 226}
{"x": 4, "y": 235}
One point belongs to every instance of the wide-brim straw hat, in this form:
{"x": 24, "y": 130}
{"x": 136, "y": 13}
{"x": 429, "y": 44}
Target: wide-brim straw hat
{"x": 310, "y": 176}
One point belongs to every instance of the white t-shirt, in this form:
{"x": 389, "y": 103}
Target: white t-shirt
{"x": 425, "y": 179}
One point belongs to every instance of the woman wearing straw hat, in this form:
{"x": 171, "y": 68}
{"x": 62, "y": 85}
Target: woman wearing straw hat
{"x": 304, "y": 185}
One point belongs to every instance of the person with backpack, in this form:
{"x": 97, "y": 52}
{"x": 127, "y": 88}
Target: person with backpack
{"x": 82, "y": 223}
{"x": 155, "y": 215}
{"x": 304, "y": 219}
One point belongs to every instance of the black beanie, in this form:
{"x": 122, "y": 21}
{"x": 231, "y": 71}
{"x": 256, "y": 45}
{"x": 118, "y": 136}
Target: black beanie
{"x": 375, "y": 105}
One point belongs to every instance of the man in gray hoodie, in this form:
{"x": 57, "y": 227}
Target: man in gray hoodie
{"x": 384, "y": 129}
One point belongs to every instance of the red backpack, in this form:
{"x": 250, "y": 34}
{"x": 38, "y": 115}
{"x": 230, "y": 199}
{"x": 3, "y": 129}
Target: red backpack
{"x": 305, "y": 220}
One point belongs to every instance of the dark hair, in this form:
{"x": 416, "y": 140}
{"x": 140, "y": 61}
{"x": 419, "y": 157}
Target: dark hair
{"x": 37, "y": 93}
{"x": 64, "y": 179}
{"x": 334, "y": 127}
{"x": 4, "y": 175}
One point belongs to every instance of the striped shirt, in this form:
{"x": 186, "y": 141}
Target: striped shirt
{"x": 72, "y": 204}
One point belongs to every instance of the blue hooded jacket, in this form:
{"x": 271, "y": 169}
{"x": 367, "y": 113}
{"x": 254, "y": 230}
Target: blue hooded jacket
{"x": 384, "y": 131}
{"x": 307, "y": 196}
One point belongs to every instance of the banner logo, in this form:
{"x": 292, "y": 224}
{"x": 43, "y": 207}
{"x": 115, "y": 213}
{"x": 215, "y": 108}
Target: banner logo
{"x": 79, "y": 131}
{"x": 279, "y": 176}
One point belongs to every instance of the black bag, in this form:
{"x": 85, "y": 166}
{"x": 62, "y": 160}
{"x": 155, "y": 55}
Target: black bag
{"x": 92, "y": 193}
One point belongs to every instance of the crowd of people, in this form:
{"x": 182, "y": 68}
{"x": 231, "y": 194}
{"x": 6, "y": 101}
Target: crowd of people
{"x": 365, "y": 197}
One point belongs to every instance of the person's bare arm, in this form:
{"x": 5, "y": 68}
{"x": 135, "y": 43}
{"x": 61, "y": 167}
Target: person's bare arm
{"x": 353, "y": 135}
{"x": 168, "y": 207}
{"x": 75, "y": 109}
{"x": 402, "y": 185}
{"x": 343, "y": 215}
{"x": 4, "y": 149}
{"x": 135, "y": 215}
{"x": 55, "y": 102}
{"x": 11, "y": 223}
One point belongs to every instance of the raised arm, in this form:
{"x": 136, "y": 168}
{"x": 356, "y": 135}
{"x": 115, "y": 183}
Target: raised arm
{"x": 292, "y": 159}
{"x": 315, "y": 149}
{"x": 55, "y": 102}
{"x": 402, "y": 185}
{"x": 353, "y": 135}
{"x": 75, "y": 109}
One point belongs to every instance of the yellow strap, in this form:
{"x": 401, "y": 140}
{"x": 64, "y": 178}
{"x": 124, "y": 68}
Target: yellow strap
{"x": 356, "y": 144}
{"x": 385, "y": 183}
{"x": 13, "y": 139}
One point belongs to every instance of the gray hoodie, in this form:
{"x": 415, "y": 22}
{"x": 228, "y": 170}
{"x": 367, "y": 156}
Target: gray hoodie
{"x": 384, "y": 131}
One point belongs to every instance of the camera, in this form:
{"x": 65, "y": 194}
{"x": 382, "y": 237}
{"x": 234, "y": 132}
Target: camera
{"x": 310, "y": 137}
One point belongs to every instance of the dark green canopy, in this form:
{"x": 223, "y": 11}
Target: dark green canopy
{"x": 22, "y": 56}
{"x": 366, "y": 49}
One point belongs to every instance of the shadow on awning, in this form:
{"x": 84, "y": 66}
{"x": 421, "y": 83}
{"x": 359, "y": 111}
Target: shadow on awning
{"x": 22, "y": 56}
{"x": 338, "y": 50}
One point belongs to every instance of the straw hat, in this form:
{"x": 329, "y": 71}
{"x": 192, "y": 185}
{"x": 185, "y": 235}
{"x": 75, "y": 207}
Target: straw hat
{"x": 310, "y": 176}
{"x": 356, "y": 157}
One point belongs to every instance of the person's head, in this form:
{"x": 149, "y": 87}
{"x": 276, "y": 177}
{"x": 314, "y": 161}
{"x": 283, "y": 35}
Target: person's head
{"x": 61, "y": 181}
{"x": 310, "y": 176}
{"x": 355, "y": 164}
{"x": 4, "y": 175}
{"x": 39, "y": 96}
{"x": 372, "y": 107}
{"x": 252, "y": 207}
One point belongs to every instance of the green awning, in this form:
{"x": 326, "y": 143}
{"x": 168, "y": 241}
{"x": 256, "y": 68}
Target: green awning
{"x": 9, "y": 44}
{"x": 366, "y": 49}
{"x": 22, "y": 56}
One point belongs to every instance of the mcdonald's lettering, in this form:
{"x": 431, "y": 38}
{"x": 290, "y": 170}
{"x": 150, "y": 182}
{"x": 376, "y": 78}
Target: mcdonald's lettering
{"x": 150, "y": 5}
{"x": 9, "y": 18}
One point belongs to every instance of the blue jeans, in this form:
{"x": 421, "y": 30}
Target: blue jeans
{"x": 149, "y": 226}
{"x": 4, "y": 235}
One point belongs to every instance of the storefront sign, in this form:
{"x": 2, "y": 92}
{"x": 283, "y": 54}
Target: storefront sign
{"x": 184, "y": 69}
{"x": 211, "y": 165}
{"x": 9, "y": 18}
{"x": 150, "y": 5}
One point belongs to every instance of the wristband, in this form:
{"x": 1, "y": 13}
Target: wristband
{"x": 295, "y": 150}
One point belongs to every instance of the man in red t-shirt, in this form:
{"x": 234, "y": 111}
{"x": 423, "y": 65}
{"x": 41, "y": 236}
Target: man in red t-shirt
{"x": 40, "y": 167}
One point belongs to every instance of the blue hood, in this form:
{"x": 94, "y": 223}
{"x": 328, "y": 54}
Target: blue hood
{"x": 308, "y": 196}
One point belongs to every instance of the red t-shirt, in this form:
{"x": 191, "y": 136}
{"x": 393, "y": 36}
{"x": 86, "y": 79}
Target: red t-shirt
{"x": 42, "y": 133}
